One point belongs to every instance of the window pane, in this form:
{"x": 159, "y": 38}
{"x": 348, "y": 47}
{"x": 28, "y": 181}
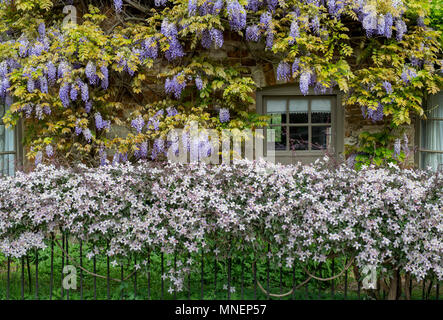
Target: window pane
{"x": 299, "y": 139}
{"x": 276, "y": 108}
{"x": 6, "y": 139}
{"x": 433, "y": 160}
{"x": 321, "y": 110}
{"x": 432, "y": 135}
{"x": 7, "y": 165}
{"x": 280, "y": 137}
{"x": 435, "y": 106}
{"x": 298, "y": 111}
{"x": 321, "y": 138}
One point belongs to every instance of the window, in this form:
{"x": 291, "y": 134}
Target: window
{"x": 305, "y": 126}
{"x": 8, "y": 147}
{"x": 431, "y": 142}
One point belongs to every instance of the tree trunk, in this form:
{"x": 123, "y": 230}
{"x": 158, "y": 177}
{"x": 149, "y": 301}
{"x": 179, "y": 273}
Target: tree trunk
{"x": 395, "y": 286}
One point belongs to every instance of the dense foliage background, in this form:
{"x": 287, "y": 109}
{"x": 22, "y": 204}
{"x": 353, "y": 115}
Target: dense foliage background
{"x": 149, "y": 66}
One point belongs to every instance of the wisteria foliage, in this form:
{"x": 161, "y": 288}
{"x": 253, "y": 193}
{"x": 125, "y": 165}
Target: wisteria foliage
{"x": 389, "y": 218}
{"x": 73, "y": 73}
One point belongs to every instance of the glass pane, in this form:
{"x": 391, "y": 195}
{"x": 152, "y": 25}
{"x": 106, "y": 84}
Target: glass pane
{"x": 276, "y": 108}
{"x": 6, "y": 139}
{"x": 298, "y": 111}
{"x": 280, "y": 137}
{"x": 435, "y": 106}
{"x": 7, "y": 165}
{"x": 433, "y": 160}
{"x": 321, "y": 110}
{"x": 432, "y": 135}
{"x": 299, "y": 138}
{"x": 321, "y": 138}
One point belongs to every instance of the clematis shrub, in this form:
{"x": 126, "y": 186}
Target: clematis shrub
{"x": 389, "y": 218}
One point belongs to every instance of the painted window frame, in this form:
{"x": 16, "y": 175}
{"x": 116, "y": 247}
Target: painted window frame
{"x": 18, "y": 146}
{"x": 337, "y": 121}
{"x": 420, "y": 132}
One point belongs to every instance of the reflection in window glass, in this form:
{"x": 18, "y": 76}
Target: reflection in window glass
{"x": 321, "y": 138}
{"x": 299, "y": 138}
{"x": 276, "y": 108}
{"x": 280, "y": 137}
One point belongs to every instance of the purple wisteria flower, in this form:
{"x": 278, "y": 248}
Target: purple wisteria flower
{"x": 294, "y": 32}
{"x": 42, "y": 30}
{"x": 295, "y": 65}
{"x": 408, "y": 74}
{"x": 217, "y": 37}
{"x": 160, "y": 3}
{"x": 157, "y": 148}
{"x": 305, "y": 79}
{"x": 224, "y": 115}
{"x": 142, "y": 151}
{"x": 266, "y": 20}
{"x": 91, "y": 73}
{"x": 388, "y": 87}
{"x": 171, "y": 112}
{"x": 175, "y": 85}
{"x": 88, "y": 106}
{"x": 101, "y": 124}
{"x": 375, "y": 114}
{"x": 283, "y": 71}
{"x": 150, "y": 48}
{"x": 199, "y": 83}
{"x": 401, "y": 28}
{"x": 254, "y": 5}
{"x": 236, "y": 15}
{"x": 389, "y": 22}
{"x": 103, "y": 156}
{"x": 87, "y": 134}
{"x": 253, "y": 33}
{"x": 315, "y": 25}
{"x": 138, "y": 124}
{"x": 51, "y": 72}
{"x": 43, "y": 84}
{"x": 118, "y": 5}
{"x": 38, "y": 158}
{"x": 64, "y": 94}
{"x": 105, "y": 81}
{"x": 74, "y": 93}
{"x": 49, "y": 151}
{"x": 206, "y": 40}
{"x": 192, "y": 7}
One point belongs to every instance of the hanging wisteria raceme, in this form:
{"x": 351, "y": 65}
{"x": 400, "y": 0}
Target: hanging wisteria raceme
{"x": 283, "y": 71}
{"x": 199, "y": 83}
{"x": 175, "y": 85}
{"x": 386, "y": 217}
{"x": 253, "y": 33}
{"x": 236, "y": 15}
{"x": 138, "y": 124}
{"x": 373, "y": 114}
{"x": 224, "y": 115}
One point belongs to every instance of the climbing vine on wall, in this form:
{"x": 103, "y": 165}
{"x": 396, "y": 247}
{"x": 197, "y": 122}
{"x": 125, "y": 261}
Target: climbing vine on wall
{"x": 149, "y": 66}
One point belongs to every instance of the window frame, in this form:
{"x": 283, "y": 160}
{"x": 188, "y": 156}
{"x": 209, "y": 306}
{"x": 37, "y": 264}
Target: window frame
{"x": 337, "y": 120}
{"x": 18, "y": 147}
{"x": 420, "y": 132}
